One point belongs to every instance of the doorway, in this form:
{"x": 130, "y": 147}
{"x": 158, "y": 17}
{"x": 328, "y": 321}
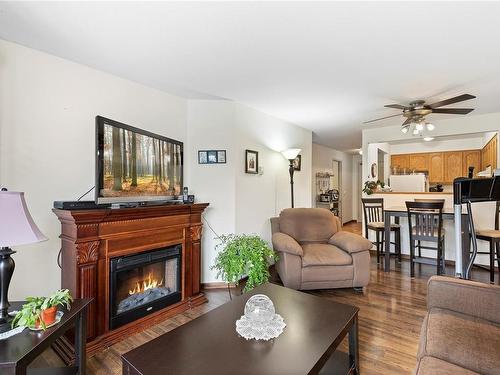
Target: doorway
{"x": 336, "y": 187}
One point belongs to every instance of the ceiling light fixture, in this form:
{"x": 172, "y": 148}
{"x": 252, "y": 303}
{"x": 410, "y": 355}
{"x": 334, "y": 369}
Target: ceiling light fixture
{"x": 428, "y": 139}
{"x": 419, "y": 127}
{"x": 430, "y": 127}
{"x": 415, "y": 131}
{"x": 405, "y": 128}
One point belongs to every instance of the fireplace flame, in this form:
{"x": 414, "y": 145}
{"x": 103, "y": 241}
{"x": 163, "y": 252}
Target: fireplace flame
{"x": 146, "y": 284}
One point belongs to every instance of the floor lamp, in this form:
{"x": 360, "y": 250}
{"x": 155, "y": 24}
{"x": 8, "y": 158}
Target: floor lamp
{"x": 291, "y": 154}
{"x": 16, "y": 228}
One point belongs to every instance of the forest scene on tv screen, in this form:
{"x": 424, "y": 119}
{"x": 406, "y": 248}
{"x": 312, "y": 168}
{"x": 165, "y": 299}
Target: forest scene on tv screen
{"x": 139, "y": 165}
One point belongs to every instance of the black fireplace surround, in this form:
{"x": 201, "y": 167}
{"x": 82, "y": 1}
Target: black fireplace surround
{"x": 144, "y": 283}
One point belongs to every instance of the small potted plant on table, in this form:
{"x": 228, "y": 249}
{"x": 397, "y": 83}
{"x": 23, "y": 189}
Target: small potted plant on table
{"x": 40, "y": 312}
{"x": 242, "y": 255}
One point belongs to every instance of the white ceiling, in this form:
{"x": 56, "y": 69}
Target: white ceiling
{"x": 324, "y": 66}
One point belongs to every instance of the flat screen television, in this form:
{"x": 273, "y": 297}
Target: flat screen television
{"x": 134, "y": 165}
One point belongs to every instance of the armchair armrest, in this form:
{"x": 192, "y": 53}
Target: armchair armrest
{"x": 350, "y": 242}
{"x": 464, "y": 296}
{"x": 284, "y": 243}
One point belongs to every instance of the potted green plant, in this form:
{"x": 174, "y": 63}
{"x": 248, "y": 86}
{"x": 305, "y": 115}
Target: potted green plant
{"x": 372, "y": 186}
{"x": 241, "y": 255}
{"x": 40, "y": 312}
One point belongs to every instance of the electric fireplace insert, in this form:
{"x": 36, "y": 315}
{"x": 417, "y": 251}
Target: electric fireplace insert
{"x": 144, "y": 283}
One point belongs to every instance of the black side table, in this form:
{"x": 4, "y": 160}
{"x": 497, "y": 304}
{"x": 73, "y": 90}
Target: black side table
{"x": 18, "y": 351}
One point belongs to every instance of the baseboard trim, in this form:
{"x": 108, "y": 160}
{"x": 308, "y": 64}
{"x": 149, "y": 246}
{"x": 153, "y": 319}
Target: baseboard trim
{"x": 217, "y": 285}
{"x": 350, "y": 221}
{"x": 223, "y": 285}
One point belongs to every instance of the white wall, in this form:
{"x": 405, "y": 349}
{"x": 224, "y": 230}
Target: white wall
{"x": 322, "y": 158}
{"x": 357, "y": 186}
{"x": 241, "y": 202}
{"x": 47, "y": 111}
{"x": 473, "y": 143}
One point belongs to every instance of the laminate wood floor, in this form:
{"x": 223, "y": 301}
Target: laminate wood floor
{"x": 391, "y": 312}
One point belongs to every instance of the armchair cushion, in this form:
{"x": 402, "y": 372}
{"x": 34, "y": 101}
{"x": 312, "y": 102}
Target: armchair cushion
{"x": 309, "y": 224}
{"x": 463, "y": 340}
{"x": 464, "y": 296}
{"x": 322, "y": 254}
{"x": 284, "y": 243}
{"x": 350, "y": 242}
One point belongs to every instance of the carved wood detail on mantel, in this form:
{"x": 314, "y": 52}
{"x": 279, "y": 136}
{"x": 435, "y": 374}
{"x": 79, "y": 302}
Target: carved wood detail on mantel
{"x": 87, "y": 252}
{"x": 195, "y": 232}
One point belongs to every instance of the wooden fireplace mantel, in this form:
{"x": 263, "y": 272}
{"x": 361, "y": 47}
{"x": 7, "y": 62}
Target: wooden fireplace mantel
{"x": 90, "y": 238}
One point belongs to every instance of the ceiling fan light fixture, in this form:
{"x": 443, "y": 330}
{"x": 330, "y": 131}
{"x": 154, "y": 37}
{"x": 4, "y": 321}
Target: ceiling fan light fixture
{"x": 405, "y": 128}
{"x": 428, "y": 139}
{"x": 419, "y": 126}
{"x": 430, "y": 127}
{"x": 415, "y": 131}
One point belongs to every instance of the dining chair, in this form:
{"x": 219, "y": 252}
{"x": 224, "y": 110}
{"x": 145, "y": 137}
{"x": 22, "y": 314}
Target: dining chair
{"x": 373, "y": 209}
{"x": 425, "y": 223}
{"x": 418, "y": 246}
{"x": 493, "y": 237}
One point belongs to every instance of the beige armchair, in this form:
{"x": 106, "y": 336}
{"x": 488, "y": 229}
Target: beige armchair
{"x": 314, "y": 252}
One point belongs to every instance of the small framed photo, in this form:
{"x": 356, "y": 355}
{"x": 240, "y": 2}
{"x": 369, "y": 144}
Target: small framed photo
{"x": 221, "y": 156}
{"x": 212, "y": 157}
{"x": 202, "y": 157}
{"x": 297, "y": 163}
{"x": 251, "y": 162}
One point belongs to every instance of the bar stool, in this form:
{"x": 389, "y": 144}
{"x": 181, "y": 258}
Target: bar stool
{"x": 373, "y": 209}
{"x": 493, "y": 237}
{"x": 425, "y": 223}
{"x": 418, "y": 247}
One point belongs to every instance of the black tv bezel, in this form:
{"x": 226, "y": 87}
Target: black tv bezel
{"x": 100, "y": 121}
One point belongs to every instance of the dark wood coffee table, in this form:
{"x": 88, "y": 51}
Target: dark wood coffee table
{"x": 210, "y": 344}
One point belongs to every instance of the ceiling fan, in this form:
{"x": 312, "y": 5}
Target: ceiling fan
{"x": 416, "y": 111}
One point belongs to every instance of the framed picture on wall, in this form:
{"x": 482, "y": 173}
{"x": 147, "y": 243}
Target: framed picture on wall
{"x": 221, "y": 156}
{"x": 297, "y": 163}
{"x": 202, "y": 157}
{"x": 212, "y": 157}
{"x": 251, "y": 162}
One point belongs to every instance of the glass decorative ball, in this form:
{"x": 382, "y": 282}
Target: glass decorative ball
{"x": 259, "y": 308}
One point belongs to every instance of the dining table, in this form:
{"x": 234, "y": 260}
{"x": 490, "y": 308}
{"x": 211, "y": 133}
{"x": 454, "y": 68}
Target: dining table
{"x": 448, "y": 214}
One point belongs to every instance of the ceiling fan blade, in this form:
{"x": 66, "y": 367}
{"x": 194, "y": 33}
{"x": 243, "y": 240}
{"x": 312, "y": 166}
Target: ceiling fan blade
{"x": 381, "y": 118}
{"x": 396, "y": 106}
{"x": 456, "y": 99}
{"x": 454, "y": 111}
{"x": 409, "y": 120}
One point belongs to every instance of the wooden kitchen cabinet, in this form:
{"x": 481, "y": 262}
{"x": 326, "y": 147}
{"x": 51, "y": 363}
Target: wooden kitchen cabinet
{"x": 471, "y": 158}
{"x": 436, "y": 167}
{"x": 400, "y": 161}
{"x": 452, "y": 165}
{"x": 489, "y": 154}
{"x": 419, "y": 162}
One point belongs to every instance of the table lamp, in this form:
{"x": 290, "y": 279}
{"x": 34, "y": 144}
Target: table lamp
{"x": 291, "y": 154}
{"x": 16, "y": 228}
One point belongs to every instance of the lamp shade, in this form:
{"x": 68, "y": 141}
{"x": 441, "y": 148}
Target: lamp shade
{"x": 16, "y": 224}
{"x": 291, "y": 153}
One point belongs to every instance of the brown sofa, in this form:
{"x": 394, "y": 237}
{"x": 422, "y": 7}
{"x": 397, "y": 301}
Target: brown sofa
{"x": 314, "y": 252}
{"x": 461, "y": 332}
